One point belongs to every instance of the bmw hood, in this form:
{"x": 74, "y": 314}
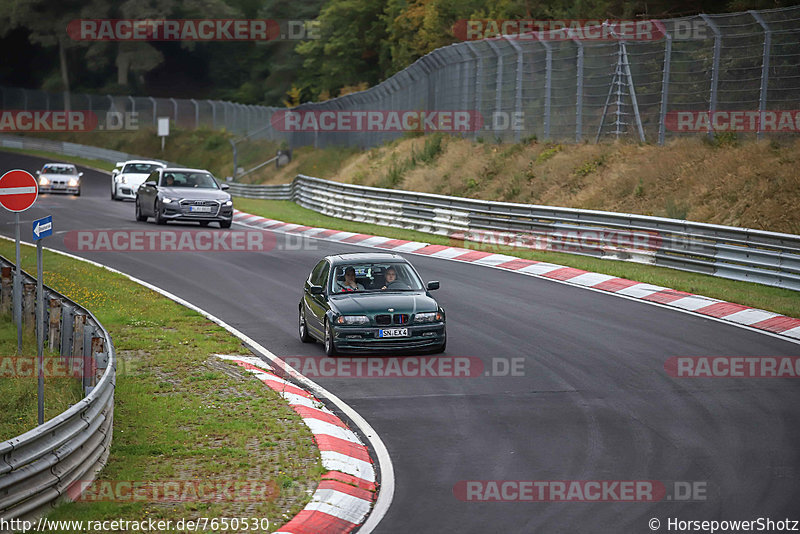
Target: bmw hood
{"x": 380, "y": 302}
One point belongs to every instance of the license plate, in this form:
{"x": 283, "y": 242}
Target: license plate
{"x": 59, "y": 186}
{"x": 393, "y": 332}
{"x": 200, "y": 209}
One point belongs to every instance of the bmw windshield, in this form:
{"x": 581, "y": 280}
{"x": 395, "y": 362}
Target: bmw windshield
{"x": 373, "y": 277}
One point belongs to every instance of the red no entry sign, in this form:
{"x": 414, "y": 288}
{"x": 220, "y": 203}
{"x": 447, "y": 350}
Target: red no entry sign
{"x": 18, "y": 190}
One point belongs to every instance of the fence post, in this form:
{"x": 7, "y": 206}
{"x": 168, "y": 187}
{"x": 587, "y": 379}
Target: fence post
{"x": 498, "y": 85}
{"x": 478, "y": 77}
{"x": 5, "y": 289}
{"x": 196, "y": 113}
{"x": 54, "y": 322}
{"x": 579, "y": 92}
{"x": 662, "y": 114}
{"x": 762, "y": 97}
{"x": 714, "y": 69}
{"x": 133, "y": 104}
{"x": 155, "y": 109}
{"x": 548, "y": 85}
{"x": 213, "y": 114}
{"x": 175, "y": 109}
{"x": 518, "y": 89}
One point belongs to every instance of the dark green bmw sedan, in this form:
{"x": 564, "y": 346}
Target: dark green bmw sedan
{"x": 368, "y": 303}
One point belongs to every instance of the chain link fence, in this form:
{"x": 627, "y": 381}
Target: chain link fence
{"x": 568, "y": 89}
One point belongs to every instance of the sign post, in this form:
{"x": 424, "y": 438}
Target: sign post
{"x": 41, "y": 228}
{"x": 18, "y": 192}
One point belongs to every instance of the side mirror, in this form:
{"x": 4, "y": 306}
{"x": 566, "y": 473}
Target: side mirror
{"x": 316, "y": 290}
{"x": 38, "y": 173}
{"x": 149, "y": 184}
{"x": 80, "y": 174}
{"x": 433, "y": 284}
{"x": 224, "y": 187}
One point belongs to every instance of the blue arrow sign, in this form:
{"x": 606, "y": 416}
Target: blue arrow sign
{"x": 42, "y": 227}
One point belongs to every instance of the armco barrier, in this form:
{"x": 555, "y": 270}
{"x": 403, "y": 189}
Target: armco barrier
{"x": 758, "y": 256}
{"x": 65, "y": 148}
{"x": 37, "y": 467}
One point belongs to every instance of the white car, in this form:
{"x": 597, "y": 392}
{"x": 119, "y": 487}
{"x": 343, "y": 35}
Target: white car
{"x": 132, "y": 174}
{"x": 59, "y": 178}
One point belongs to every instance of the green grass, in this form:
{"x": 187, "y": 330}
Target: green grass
{"x": 180, "y": 412}
{"x": 93, "y": 163}
{"x": 773, "y": 299}
{"x": 19, "y": 399}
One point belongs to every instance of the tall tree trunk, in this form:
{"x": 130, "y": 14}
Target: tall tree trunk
{"x": 62, "y": 56}
{"x": 123, "y": 66}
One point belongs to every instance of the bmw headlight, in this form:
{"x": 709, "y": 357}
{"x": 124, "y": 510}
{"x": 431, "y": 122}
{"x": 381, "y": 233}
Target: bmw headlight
{"x": 427, "y": 317}
{"x": 352, "y": 319}
{"x": 43, "y": 181}
{"x": 73, "y": 182}
{"x": 228, "y": 203}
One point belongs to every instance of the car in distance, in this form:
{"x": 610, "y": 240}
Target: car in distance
{"x": 59, "y": 178}
{"x": 172, "y": 194}
{"x": 127, "y": 178}
{"x": 370, "y": 302}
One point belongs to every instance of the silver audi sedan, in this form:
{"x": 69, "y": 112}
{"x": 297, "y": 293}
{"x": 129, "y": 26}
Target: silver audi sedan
{"x": 172, "y": 194}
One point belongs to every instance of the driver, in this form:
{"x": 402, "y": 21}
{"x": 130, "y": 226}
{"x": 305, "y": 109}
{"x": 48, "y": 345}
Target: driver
{"x": 392, "y": 281}
{"x": 349, "y": 283}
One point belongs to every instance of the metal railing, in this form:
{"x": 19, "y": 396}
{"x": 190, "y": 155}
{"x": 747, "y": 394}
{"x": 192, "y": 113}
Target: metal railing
{"x": 758, "y": 256}
{"x": 38, "y": 468}
{"x": 66, "y": 148}
{"x": 566, "y": 89}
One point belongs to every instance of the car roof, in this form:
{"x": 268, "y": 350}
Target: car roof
{"x": 356, "y": 257}
{"x": 150, "y": 161}
{"x": 183, "y": 169}
{"x": 54, "y": 164}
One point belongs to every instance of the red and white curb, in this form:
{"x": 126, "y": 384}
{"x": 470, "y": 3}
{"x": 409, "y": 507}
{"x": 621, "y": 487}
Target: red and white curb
{"x": 346, "y": 493}
{"x": 773, "y": 323}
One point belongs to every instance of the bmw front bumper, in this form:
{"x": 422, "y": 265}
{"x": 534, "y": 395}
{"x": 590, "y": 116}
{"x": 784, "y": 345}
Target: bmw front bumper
{"x": 365, "y": 339}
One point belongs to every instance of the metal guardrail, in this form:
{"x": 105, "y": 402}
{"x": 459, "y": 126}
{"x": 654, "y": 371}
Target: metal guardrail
{"x": 68, "y": 149}
{"x": 38, "y": 467}
{"x": 745, "y": 254}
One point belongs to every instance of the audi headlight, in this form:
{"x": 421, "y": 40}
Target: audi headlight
{"x": 427, "y": 317}
{"x": 166, "y": 200}
{"x": 73, "y": 182}
{"x": 228, "y": 203}
{"x": 43, "y": 181}
{"x": 352, "y": 319}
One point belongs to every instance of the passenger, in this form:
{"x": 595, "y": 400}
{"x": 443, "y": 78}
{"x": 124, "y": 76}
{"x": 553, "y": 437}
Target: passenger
{"x": 350, "y": 283}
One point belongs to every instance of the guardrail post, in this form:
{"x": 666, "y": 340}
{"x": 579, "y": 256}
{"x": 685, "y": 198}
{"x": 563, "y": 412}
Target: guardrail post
{"x": 712, "y": 107}
{"x": 5, "y": 289}
{"x": 762, "y": 98}
{"x": 78, "y": 324}
{"x": 54, "y": 324}
{"x": 98, "y": 358}
{"x": 29, "y": 306}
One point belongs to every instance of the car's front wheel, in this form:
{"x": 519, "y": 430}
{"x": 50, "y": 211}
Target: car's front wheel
{"x": 305, "y": 337}
{"x": 139, "y": 216}
{"x": 330, "y": 348}
{"x": 157, "y": 210}
{"x": 225, "y": 224}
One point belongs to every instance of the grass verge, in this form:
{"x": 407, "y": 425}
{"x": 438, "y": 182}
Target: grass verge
{"x": 19, "y": 384}
{"x": 181, "y": 413}
{"x": 773, "y": 299}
